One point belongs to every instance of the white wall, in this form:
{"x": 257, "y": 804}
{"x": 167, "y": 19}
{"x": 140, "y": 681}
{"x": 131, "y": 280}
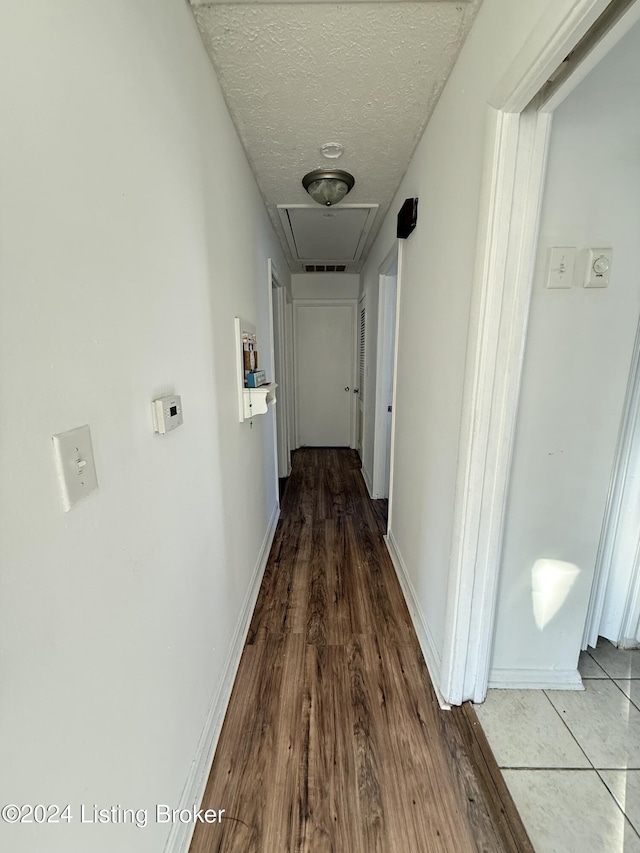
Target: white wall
{"x": 132, "y": 233}
{"x": 576, "y": 366}
{"x": 321, "y": 285}
{"x": 436, "y": 282}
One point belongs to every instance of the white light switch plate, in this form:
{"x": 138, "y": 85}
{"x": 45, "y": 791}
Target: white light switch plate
{"x": 74, "y": 461}
{"x": 560, "y": 270}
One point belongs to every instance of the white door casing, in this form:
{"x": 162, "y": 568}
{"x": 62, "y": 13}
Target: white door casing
{"x": 325, "y": 347}
{"x": 290, "y": 373}
{"x": 280, "y": 377}
{"x": 387, "y": 390}
{"x": 388, "y": 294}
{"x": 359, "y": 391}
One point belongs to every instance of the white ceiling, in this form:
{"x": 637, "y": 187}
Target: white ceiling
{"x": 366, "y": 75}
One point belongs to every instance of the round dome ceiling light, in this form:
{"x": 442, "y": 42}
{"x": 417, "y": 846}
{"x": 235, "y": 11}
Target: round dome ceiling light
{"x": 331, "y": 150}
{"x": 328, "y": 186}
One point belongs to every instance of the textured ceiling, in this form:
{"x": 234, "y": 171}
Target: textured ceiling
{"x": 366, "y": 75}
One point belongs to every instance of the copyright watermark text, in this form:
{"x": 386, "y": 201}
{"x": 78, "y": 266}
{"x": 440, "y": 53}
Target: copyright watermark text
{"x": 88, "y": 814}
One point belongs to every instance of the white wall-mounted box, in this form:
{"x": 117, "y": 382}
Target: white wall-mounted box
{"x": 167, "y": 413}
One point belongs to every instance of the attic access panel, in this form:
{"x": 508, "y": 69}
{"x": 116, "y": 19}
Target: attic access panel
{"x": 324, "y": 234}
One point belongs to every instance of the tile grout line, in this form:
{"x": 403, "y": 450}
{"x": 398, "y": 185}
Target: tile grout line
{"x": 626, "y": 817}
{"x": 591, "y": 766}
{"x": 628, "y": 698}
{"x": 598, "y": 770}
{"x": 599, "y": 665}
{"x": 612, "y": 677}
{"x": 564, "y": 722}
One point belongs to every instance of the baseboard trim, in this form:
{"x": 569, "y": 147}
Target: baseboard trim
{"x": 367, "y": 481}
{"x": 425, "y": 638}
{"x": 535, "y": 679}
{"x": 180, "y": 835}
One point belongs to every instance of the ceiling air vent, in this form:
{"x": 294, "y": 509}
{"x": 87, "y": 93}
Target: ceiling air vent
{"x": 327, "y": 237}
{"x": 325, "y": 267}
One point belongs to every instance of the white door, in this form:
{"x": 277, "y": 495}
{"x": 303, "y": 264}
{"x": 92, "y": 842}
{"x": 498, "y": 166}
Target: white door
{"x": 325, "y": 347}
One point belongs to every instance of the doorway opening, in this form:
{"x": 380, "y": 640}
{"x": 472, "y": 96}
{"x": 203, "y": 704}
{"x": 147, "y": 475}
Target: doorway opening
{"x": 282, "y": 358}
{"x": 388, "y": 293}
{"x": 614, "y": 605}
{"x": 519, "y": 122}
{"x": 360, "y": 390}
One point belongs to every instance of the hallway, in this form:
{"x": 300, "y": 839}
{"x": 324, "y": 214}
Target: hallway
{"x": 333, "y": 739}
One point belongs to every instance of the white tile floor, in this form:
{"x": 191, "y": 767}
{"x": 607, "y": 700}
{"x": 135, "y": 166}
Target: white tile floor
{"x": 571, "y": 759}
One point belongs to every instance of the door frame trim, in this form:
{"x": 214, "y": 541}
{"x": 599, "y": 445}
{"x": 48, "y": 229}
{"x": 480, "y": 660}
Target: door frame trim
{"x": 281, "y": 346}
{"x": 361, "y": 395}
{"x": 393, "y": 259}
{"x": 272, "y": 276}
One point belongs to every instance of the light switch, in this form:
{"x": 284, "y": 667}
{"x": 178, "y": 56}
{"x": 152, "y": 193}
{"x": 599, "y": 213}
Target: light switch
{"x": 560, "y": 270}
{"x": 74, "y": 461}
{"x": 598, "y": 267}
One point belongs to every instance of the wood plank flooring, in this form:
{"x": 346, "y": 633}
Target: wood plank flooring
{"x": 333, "y": 741}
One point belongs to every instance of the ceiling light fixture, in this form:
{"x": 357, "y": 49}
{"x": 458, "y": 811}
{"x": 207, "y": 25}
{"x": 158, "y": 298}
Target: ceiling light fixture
{"x": 328, "y": 186}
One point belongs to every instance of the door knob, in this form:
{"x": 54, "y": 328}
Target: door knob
{"x": 346, "y": 388}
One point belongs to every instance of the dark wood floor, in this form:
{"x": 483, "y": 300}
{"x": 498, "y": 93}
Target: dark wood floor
{"x": 333, "y": 740}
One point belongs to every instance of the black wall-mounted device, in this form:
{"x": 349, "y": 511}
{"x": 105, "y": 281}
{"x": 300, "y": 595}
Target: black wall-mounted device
{"x": 407, "y": 217}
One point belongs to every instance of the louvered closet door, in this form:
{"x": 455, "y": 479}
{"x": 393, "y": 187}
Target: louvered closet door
{"x": 361, "y": 373}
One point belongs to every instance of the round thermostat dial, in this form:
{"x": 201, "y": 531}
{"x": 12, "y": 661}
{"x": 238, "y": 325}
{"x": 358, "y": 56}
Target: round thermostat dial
{"x": 601, "y": 265}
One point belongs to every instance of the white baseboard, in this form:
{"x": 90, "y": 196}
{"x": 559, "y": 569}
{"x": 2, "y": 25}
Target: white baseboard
{"x": 535, "y": 679}
{"x": 367, "y": 481}
{"x": 179, "y": 837}
{"x": 425, "y": 638}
